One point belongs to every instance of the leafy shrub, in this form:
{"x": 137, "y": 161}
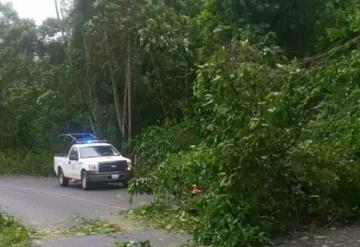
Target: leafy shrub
{"x": 11, "y": 233}
{"x": 156, "y": 143}
{"x": 280, "y": 148}
{"x": 178, "y": 173}
{"x": 326, "y": 161}
{"x": 245, "y": 111}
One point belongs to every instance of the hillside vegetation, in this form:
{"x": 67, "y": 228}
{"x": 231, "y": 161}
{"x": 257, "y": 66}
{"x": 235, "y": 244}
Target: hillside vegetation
{"x": 253, "y": 104}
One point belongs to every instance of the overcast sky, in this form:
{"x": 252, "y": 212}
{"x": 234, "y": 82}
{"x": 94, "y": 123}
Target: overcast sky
{"x": 38, "y": 10}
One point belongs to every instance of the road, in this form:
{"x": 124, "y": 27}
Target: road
{"x": 39, "y": 203}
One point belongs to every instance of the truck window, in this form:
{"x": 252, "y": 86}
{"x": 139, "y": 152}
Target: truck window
{"x": 74, "y": 151}
{"x": 63, "y": 145}
{"x": 98, "y": 151}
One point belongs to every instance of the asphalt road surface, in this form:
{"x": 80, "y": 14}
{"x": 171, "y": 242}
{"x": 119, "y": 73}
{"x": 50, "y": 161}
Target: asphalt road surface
{"x": 40, "y": 203}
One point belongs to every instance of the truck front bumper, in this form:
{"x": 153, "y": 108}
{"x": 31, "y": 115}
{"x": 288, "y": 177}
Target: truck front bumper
{"x": 109, "y": 177}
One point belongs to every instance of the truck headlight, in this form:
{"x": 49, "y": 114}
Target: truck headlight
{"x": 129, "y": 166}
{"x": 93, "y": 168}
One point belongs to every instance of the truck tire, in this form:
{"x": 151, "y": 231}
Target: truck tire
{"x": 63, "y": 181}
{"x": 85, "y": 184}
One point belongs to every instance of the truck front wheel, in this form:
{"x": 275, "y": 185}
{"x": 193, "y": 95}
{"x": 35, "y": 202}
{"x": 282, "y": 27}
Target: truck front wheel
{"x": 84, "y": 181}
{"x": 63, "y": 181}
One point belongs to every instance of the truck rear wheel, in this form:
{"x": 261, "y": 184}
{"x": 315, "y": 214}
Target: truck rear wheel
{"x": 85, "y": 184}
{"x": 63, "y": 181}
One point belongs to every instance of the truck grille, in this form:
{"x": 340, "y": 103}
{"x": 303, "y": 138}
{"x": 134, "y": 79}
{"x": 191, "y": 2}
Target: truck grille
{"x": 117, "y": 166}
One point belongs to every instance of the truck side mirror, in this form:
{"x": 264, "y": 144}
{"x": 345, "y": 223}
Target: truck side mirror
{"x": 73, "y": 157}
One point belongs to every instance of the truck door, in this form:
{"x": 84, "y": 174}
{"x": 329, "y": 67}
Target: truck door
{"x": 73, "y": 163}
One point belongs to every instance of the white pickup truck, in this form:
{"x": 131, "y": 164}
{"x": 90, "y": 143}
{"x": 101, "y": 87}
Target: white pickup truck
{"x": 92, "y": 161}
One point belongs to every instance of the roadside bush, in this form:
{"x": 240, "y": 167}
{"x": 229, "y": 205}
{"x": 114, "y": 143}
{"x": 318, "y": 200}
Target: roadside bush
{"x": 239, "y": 165}
{"x": 158, "y": 142}
{"x": 178, "y": 173}
{"x": 11, "y": 233}
{"x": 22, "y": 162}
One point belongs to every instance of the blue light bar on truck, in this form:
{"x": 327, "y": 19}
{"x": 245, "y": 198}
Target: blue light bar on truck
{"x": 90, "y": 141}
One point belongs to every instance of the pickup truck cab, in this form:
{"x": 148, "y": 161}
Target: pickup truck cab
{"x": 92, "y": 161}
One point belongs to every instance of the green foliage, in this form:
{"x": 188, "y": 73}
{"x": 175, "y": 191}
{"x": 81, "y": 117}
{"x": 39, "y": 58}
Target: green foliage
{"x": 327, "y": 158}
{"x": 178, "y": 173}
{"x": 157, "y": 143}
{"x": 11, "y": 233}
{"x": 343, "y": 20}
{"x": 22, "y": 162}
{"x": 275, "y": 134}
{"x": 267, "y": 143}
{"x": 295, "y": 24}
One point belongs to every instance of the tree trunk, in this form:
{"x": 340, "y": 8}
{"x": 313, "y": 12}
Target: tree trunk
{"x": 92, "y": 125}
{"x": 129, "y": 88}
{"x": 91, "y": 99}
{"x": 125, "y": 105}
{"x": 116, "y": 101}
{"x": 59, "y": 18}
{"x": 115, "y": 91}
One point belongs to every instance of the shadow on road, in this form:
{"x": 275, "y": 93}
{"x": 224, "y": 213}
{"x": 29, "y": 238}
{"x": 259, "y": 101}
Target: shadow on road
{"x": 98, "y": 187}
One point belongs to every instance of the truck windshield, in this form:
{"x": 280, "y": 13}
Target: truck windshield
{"x": 98, "y": 151}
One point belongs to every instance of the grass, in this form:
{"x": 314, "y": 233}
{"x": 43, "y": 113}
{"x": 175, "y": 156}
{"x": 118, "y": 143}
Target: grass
{"x": 12, "y": 233}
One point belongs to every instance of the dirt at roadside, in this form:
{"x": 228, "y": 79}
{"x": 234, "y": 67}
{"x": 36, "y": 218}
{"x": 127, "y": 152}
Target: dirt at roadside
{"x": 335, "y": 237}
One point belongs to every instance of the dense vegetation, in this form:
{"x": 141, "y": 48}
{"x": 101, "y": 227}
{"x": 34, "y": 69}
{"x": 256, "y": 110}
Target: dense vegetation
{"x": 11, "y": 233}
{"x": 254, "y": 102}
